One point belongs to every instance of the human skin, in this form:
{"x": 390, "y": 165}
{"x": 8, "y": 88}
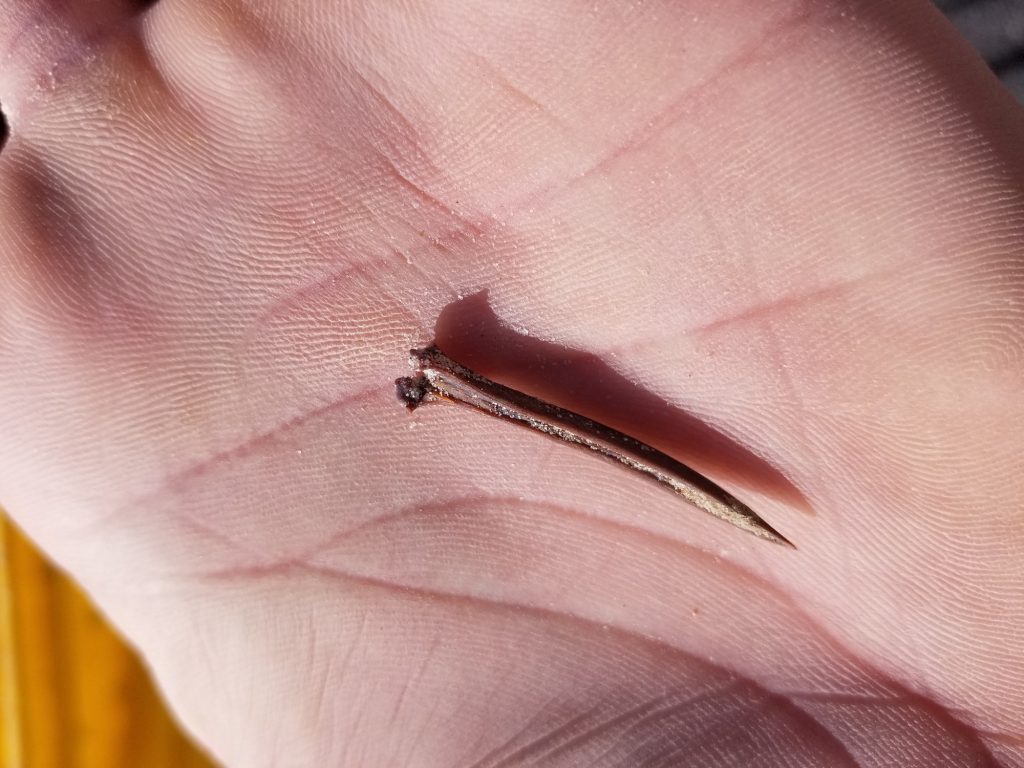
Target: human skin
{"x": 796, "y": 226}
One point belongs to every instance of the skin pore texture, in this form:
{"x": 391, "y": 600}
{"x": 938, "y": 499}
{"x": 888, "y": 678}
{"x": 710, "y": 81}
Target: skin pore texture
{"x": 797, "y": 222}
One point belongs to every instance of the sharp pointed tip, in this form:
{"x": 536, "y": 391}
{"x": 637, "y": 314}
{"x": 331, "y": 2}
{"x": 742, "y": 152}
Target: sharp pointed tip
{"x": 744, "y": 517}
{"x": 769, "y": 533}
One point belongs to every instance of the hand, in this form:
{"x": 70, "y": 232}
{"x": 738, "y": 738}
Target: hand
{"x": 795, "y": 226}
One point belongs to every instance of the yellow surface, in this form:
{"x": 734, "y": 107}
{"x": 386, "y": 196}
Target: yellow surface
{"x": 72, "y": 695}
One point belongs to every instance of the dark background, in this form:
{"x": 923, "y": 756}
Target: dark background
{"x": 996, "y": 29}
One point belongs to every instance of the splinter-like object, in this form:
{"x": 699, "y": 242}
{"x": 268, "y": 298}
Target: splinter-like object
{"x": 440, "y": 378}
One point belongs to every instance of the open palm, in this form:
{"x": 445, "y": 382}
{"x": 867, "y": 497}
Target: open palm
{"x": 781, "y": 240}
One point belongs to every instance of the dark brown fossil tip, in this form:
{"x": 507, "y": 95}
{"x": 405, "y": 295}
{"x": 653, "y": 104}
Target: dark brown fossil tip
{"x": 411, "y": 390}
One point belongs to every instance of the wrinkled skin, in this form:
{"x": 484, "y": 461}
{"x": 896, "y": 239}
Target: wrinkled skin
{"x": 794, "y": 224}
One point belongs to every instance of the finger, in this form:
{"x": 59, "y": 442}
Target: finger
{"x": 42, "y": 42}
